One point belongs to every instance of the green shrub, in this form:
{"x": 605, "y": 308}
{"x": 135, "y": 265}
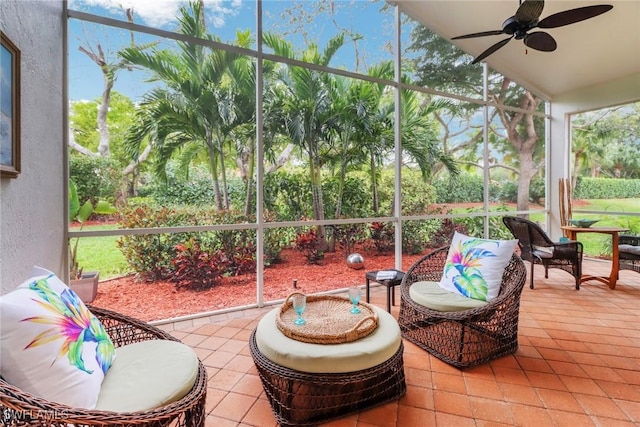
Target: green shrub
{"x": 347, "y": 236}
{"x": 196, "y": 189}
{"x": 149, "y": 255}
{"x": 444, "y": 234}
{"x": 417, "y": 195}
{"x": 382, "y": 236}
{"x": 288, "y": 195}
{"x": 275, "y": 239}
{"x": 463, "y": 188}
{"x": 96, "y": 178}
{"x": 414, "y": 237}
{"x": 133, "y": 202}
{"x": 503, "y": 191}
{"x": 475, "y": 225}
{"x": 356, "y": 198}
{"x": 537, "y": 190}
{"x": 632, "y": 223}
{"x": 469, "y": 188}
{"x": 238, "y": 245}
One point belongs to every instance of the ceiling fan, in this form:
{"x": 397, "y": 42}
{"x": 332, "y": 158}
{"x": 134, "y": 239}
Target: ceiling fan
{"x": 526, "y": 18}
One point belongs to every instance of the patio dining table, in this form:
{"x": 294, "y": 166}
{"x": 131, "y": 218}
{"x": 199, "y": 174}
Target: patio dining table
{"x": 572, "y": 233}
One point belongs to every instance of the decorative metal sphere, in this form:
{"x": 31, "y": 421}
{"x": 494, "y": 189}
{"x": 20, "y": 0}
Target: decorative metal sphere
{"x": 355, "y": 261}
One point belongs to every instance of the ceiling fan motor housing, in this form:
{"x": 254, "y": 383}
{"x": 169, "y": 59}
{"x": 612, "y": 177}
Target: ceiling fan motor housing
{"x": 517, "y": 29}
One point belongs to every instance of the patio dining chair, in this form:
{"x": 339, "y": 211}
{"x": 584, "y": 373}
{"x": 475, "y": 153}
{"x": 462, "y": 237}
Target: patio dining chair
{"x": 537, "y": 248}
{"x": 629, "y": 253}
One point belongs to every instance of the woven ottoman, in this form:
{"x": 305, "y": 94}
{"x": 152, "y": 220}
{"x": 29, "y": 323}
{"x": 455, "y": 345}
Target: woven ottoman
{"x": 308, "y": 384}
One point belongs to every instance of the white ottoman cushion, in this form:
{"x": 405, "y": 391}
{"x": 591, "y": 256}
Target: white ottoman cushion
{"x": 147, "y": 375}
{"x": 367, "y": 352}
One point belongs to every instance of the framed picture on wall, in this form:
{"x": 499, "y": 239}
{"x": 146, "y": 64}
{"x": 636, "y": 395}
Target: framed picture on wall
{"x": 9, "y": 109}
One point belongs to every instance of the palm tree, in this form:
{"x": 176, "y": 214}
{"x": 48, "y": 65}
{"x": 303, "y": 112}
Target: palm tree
{"x": 193, "y": 114}
{"x": 420, "y": 140}
{"x": 360, "y": 128}
{"x": 372, "y": 110}
{"x": 307, "y": 106}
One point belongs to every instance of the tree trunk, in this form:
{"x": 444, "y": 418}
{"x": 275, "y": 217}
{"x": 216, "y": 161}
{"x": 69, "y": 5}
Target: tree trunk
{"x": 316, "y": 194}
{"x": 223, "y": 173}
{"x": 79, "y": 148}
{"x": 524, "y": 179}
{"x": 128, "y": 187}
{"x": 109, "y": 78}
{"x": 213, "y": 165}
{"x": 248, "y": 167}
{"x": 525, "y": 146}
{"x": 374, "y": 184}
{"x": 282, "y": 159}
{"x": 343, "y": 175}
{"x": 576, "y": 167}
{"x": 103, "y": 111}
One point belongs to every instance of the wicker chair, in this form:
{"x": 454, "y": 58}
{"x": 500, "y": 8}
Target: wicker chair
{"x": 537, "y": 248}
{"x": 629, "y": 250}
{"x": 20, "y": 408}
{"x": 463, "y": 338}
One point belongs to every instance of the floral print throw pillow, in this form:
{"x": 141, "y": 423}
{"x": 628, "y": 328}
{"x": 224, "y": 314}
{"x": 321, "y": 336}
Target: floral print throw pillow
{"x": 51, "y": 345}
{"x": 474, "y": 267}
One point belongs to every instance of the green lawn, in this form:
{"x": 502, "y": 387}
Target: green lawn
{"x": 611, "y": 205}
{"x": 596, "y": 245}
{"x": 600, "y": 244}
{"x": 101, "y": 254}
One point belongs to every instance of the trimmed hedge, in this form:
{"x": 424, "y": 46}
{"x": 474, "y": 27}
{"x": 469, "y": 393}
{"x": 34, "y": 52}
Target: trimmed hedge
{"x": 606, "y": 188}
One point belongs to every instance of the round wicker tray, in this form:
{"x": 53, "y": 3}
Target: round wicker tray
{"x": 329, "y": 320}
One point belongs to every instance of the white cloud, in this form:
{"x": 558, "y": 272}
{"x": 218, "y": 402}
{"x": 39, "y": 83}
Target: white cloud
{"x": 160, "y": 12}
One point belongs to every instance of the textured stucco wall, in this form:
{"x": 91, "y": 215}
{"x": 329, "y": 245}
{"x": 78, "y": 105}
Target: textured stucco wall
{"x": 32, "y": 219}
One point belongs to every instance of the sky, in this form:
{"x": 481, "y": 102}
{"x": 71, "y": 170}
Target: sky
{"x": 223, "y": 19}
{"x": 158, "y": 13}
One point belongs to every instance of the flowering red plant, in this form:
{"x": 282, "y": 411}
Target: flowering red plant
{"x": 309, "y": 242}
{"x": 383, "y": 236}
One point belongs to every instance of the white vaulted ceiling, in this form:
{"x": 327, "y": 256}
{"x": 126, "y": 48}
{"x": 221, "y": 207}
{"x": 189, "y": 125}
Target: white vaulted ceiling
{"x": 590, "y": 53}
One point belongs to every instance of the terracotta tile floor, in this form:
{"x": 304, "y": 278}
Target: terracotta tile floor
{"x": 578, "y": 365}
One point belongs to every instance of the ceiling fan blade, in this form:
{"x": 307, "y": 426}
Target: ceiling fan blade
{"x": 491, "y": 50}
{"x": 481, "y": 34}
{"x": 540, "y": 41}
{"x": 572, "y": 16}
{"x": 529, "y": 11}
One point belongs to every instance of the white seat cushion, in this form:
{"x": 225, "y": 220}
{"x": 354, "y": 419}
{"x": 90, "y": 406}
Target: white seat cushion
{"x": 630, "y": 249}
{"x": 543, "y": 252}
{"x": 431, "y": 295}
{"x": 367, "y": 352}
{"x": 147, "y": 375}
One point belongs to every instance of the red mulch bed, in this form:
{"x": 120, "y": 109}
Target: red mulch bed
{"x": 161, "y": 300}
